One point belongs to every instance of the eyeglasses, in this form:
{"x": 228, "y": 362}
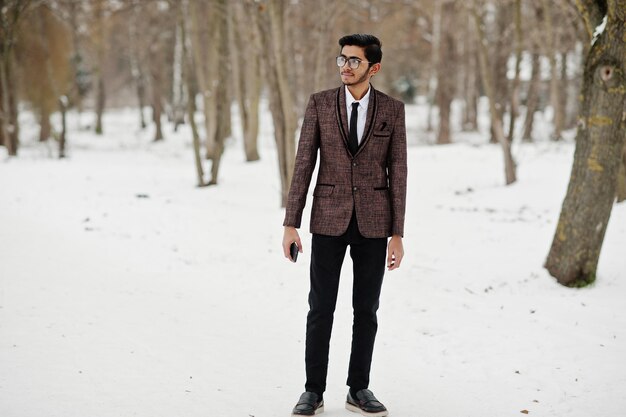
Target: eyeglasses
{"x": 352, "y": 62}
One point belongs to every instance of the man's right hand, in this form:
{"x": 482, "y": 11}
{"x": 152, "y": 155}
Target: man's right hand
{"x": 289, "y": 236}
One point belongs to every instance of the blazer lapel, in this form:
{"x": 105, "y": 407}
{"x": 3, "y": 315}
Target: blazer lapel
{"x": 372, "y": 111}
{"x": 342, "y": 115}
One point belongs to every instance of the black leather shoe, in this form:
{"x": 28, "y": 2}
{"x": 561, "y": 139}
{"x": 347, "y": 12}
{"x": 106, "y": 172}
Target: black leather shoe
{"x": 366, "y": 404}
{"x": 309, "y": 404}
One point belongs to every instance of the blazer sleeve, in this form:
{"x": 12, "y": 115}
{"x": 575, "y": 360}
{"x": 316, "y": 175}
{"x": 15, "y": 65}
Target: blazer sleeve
{"x": 306, "y": 157}
{"x": 397, "y": 170}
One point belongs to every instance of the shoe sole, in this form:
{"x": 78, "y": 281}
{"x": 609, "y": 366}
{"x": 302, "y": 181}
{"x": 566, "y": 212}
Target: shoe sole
{"x": 318, "y": 411}
{"x": 355, "y": 409}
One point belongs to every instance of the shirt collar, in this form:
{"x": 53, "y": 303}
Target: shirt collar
{"x": 363, "y": 102}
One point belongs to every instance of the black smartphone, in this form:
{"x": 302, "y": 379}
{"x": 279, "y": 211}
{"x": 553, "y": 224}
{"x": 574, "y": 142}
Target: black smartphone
{"x": 293, "y": 251}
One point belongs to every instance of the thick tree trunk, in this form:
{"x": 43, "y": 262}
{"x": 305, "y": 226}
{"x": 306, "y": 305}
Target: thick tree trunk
{"x": 446, "y": 73}
{"x": 573, "y": 257}
{"x": 496, "y": 122}
{"x": 532, "y": 98}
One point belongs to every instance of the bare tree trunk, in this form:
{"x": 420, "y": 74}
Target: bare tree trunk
{"x": 45, "y": 128}
{"x": 191, "y": 91}
{"x": 551, "y": 51}
{"x": 514, "y": 107}
{"x": 246, "y": 73}
{"x": 178, "y": 88}
{"x": 532, "y": 99}
{"x": 136, "y": 67}
{"x": 496, "y": 122}
{"x": 573, "y": 257}
{"x": 327, "y": 10}
{"x": 205, "y": 48}
{"x": 222, "y": 130}
{"x": 434, "y": 63}
{"x": 500, "y": 63}
{"x": 63, "y": 104}
{"x": 100, "y": 45}
{"x": 446, "y": 72}
{"x": 281, "y": 95}
{"x": 470, "y": 113}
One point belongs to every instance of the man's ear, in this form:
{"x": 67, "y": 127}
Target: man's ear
{"x": 374, "y": 68}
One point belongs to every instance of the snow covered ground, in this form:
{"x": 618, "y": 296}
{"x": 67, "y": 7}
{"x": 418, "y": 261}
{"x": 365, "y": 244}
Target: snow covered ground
{"x": 126, "y": 291}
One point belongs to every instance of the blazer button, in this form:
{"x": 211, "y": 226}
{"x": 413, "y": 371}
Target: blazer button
{"x": 354, "y": 164}
{"x": 354, "y": 188}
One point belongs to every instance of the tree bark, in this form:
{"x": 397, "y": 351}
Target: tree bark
{"x": 281, "y": 94}
{"x": 63, "y": 104}
{"x": 551, "y": 51}
{"x": 446, "y": 71}
{"x": 100, "y": 45}
{"x": 221, "y": 93}
{"x": 470, "y": 78}
{"x": 532, "y": 98}
{"x": 204, "y": 45}
{"x": 136, "y": 67}
{"x": 575, "y": 250}
{"x": 496, "y": 122}
{"x": 501, "y": 91}
{"x": 514, "y": 106}
{"x": 246, "y": 72}
{"x": 191, "y": 93}
{"x": 621, "y": 179}
{"x": 10, "y": 15}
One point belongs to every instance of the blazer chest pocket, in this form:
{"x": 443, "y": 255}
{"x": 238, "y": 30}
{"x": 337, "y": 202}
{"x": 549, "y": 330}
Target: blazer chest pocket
{"x": 382, "y": 133}
{"x": 323, "y": 190}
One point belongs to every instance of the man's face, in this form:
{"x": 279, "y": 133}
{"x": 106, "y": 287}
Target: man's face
{"x": 360, "y": 75}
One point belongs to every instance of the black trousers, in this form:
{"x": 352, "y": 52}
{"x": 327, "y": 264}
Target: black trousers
{"x": 368, "y": 258}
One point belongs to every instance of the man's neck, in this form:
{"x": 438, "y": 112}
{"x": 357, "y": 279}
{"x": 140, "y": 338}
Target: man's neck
{"x": 359, "y": 90}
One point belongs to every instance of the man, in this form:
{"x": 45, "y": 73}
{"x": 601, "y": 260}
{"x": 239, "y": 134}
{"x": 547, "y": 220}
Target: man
{"x": 358, "y": 201}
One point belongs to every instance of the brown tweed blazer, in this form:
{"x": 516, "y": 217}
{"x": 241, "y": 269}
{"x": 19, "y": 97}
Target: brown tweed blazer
{"x": 372, "y": 182}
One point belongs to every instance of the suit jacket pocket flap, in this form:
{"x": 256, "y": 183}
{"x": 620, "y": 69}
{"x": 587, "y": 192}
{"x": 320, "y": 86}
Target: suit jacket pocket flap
{"x": 382, "y": 133}
{"x": 323, "y": 190}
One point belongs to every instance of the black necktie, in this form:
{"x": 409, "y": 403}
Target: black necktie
{"x": 353, "y": 140}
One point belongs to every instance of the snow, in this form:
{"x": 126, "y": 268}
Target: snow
{"x": 126, "y": 291}
{"x": 598, "y": 30}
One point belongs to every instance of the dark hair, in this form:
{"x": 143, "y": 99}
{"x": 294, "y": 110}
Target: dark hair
{"x": 371, "y": 44}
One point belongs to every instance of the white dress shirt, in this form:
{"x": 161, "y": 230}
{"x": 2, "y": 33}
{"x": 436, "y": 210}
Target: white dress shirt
{"x": 363, "y": 103}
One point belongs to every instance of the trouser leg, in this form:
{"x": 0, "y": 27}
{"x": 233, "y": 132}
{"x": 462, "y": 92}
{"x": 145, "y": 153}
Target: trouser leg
{"x": 327, "y": 254}
{"x": 368, "y": 257}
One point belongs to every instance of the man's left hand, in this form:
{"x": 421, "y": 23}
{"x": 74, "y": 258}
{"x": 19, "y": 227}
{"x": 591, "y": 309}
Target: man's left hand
{"x": 395, "y": 252}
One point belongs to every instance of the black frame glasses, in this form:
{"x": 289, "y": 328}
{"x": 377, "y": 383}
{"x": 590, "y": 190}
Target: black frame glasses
{"x": 353, "y": 62}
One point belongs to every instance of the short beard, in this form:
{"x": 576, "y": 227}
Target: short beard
{"x": 360, "y": 80}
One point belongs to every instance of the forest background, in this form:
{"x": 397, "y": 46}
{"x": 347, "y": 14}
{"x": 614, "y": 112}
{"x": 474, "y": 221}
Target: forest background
{"x": 208, "y": 76}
